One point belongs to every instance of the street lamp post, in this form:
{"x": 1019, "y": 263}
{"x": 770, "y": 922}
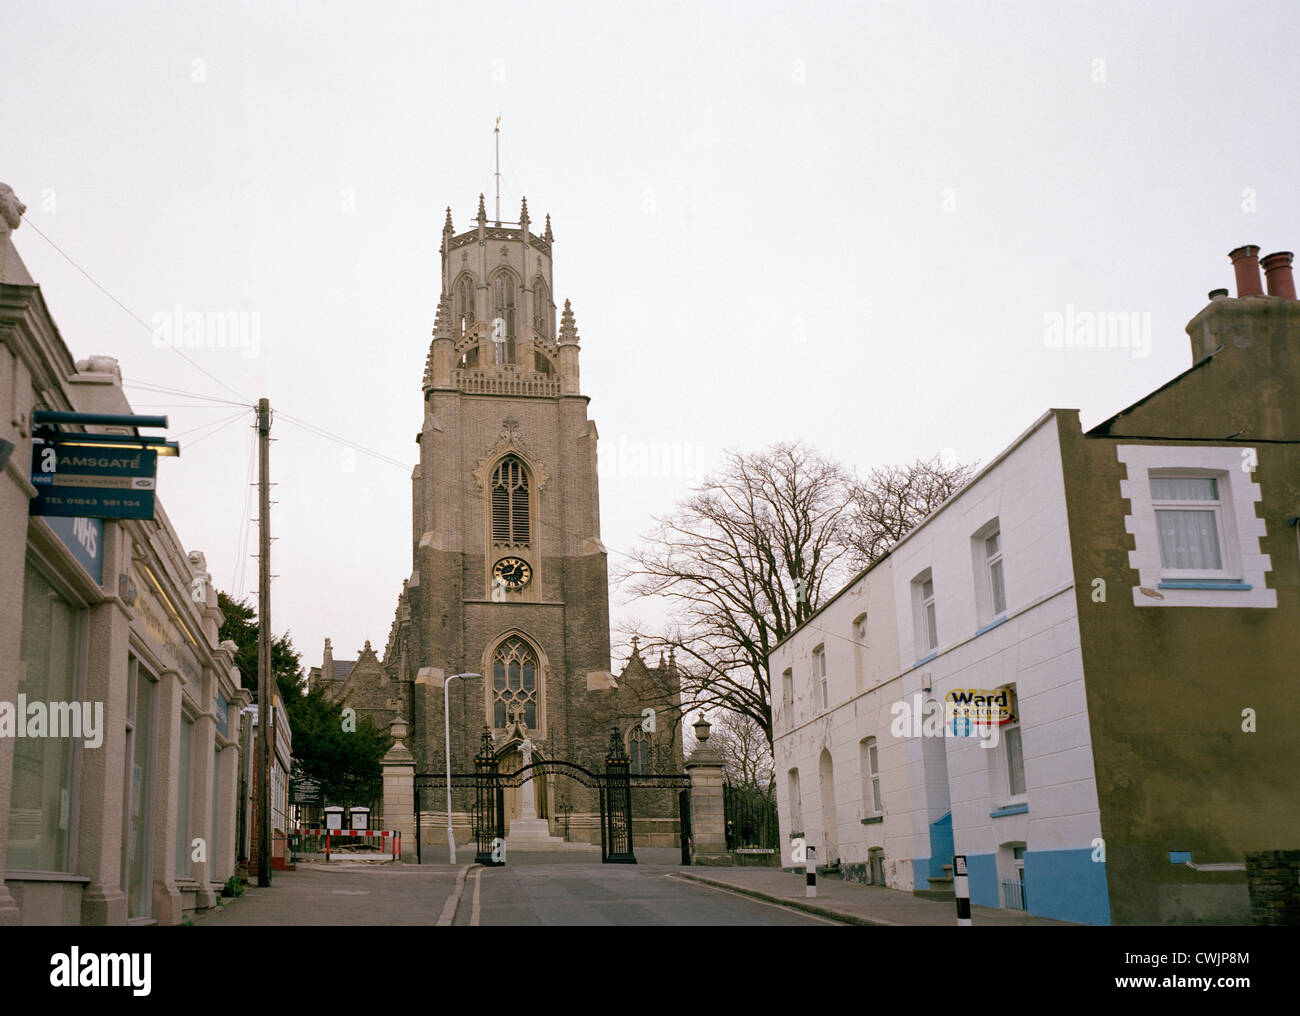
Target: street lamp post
{"x": 446, "y": 740}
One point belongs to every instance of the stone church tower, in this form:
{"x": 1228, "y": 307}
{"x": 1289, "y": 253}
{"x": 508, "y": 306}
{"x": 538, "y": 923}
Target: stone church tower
{"x": 509, "y": 576}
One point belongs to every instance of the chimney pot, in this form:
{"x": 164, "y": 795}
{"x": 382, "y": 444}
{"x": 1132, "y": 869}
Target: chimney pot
{"x": 1245, "y": 262}
{"x": 1218, "y": 294}
{"x": 1277, "y": 272}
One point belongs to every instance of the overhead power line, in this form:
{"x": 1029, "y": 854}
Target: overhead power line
{"x": 190, "y": 360}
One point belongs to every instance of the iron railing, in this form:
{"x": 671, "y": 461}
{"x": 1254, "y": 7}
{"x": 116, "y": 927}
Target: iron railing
{"x": 750, "y": 814}
{"x": 1013, "y": 894}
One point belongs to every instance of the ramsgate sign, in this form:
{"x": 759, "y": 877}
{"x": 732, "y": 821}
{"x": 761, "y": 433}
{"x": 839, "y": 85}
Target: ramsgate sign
{"x": 84, "y": 481}
{"x": 95, "y": 476}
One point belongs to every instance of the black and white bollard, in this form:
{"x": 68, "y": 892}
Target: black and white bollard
{"x": 810, "y": 872}
{"x": 961, "y": 889}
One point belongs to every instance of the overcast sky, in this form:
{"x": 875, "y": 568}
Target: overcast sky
{"x": 845, "y": 222}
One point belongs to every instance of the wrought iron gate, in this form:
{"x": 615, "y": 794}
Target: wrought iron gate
{"x": 614, "y": 789}
{"x": 684, "y": 817}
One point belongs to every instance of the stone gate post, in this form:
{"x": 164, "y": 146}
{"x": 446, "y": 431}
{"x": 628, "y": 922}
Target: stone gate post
{"x": 708, "y": 819}
{"x": 399, "y": 789}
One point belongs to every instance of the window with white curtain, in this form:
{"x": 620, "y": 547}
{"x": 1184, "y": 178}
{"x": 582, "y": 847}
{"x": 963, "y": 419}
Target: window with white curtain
{"x": 1189, "y": 523}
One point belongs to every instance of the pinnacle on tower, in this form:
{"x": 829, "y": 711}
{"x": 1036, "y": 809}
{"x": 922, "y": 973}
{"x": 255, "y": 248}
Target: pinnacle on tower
{"x": 442, "y": 318}
{"x": 548, "y": 236}
{"x": 482, "y": 210}
{"x": 568, "y": 326}
{"x": 523, "y": 213}
{"x": 446, "y": 226}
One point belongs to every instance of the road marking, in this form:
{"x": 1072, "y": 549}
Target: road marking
{"x": 473, "y": 910}
{"x": 754, "y": 899}
{"x": 350, "y": 892}
{"x": 453, "y": 901}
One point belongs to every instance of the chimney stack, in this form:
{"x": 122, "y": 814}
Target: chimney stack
{"x": 1277, "y": 272}
{"x": 1245, "y": 262}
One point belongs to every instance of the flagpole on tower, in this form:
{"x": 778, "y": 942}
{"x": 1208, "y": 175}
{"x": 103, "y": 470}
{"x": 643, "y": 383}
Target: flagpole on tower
{"x": 496, "y": 132}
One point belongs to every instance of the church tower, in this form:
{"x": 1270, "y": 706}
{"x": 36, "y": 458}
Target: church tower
{"x": 509, "y": 576}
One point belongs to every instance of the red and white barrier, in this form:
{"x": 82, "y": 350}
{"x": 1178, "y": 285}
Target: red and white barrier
{"x": 395, "y": 848}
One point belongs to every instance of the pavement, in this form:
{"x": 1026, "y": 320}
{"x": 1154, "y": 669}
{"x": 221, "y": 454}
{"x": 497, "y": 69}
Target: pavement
{"x": 344, "y": 893}
{"x": 850, "y": 902}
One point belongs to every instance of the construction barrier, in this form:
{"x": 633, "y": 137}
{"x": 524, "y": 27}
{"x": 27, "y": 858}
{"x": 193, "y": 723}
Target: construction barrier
{"x": 395, "y": 835}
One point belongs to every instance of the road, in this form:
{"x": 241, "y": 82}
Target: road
{"x": 625, "y": 895}
{"x": 531, "y": 890}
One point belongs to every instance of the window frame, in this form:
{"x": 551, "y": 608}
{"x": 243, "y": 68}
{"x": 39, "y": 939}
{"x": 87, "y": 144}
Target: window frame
{"x": 871, "y": 791}
{"x": 859, "y": 638}
{"x": 639, "y": 747}
{"x": 1244, "y": 518}
{"x": 492, "y": 696}
{"x": 80, "y": 652}
{"x": 987, "y": 610}
{"x": 1224, "y": 526}
{"x": 925, "y": 615}
{"x": 1013, "y": 796}
{"x": 820, "y": 680}
{"x": 513, "y": 494}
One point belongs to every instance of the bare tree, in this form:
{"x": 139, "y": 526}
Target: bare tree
{"x": 744, "y": 561}
{"x": 892, "y": 500}
{"x": 746, "y": 755}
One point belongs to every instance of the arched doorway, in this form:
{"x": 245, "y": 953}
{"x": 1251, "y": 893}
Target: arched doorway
{"x": 509, "y": 760}
{"x": 830, "y": 826}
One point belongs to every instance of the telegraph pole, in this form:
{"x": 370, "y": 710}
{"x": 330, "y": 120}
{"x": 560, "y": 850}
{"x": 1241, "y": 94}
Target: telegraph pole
{"x": 265, "y": 680}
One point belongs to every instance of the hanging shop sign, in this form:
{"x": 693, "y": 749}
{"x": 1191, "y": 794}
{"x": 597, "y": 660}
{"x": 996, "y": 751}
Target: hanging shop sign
{"x": 89, "y": 481}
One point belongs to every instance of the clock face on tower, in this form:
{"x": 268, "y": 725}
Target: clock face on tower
{"x": 513, "y": 572}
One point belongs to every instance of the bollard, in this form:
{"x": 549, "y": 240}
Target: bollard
{"x": 961, "y": 889}
{"x": 327, "y": 847}
{"x": 810, "y": 872}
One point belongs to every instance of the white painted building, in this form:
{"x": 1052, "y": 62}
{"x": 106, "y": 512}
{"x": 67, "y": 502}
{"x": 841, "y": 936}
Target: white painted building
{"x": 870, "y": 770}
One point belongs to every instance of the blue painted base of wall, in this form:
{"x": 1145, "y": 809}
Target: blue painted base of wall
{"x": 940, "y": 847}
{"x": 983, "y": 869}
{"x": 1067, "y": 885}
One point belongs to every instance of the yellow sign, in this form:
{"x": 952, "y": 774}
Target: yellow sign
{"x": 982, "y": 706}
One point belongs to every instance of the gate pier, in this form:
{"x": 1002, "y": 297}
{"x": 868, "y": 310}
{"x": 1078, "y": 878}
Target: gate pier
{"x": 707, "y": 809}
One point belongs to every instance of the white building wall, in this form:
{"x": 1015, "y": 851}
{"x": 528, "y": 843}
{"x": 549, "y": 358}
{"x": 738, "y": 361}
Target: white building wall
{"x": 1034, "y": 645}
{"x": 863, "y": 683}
{"x": 1036, "y": 648}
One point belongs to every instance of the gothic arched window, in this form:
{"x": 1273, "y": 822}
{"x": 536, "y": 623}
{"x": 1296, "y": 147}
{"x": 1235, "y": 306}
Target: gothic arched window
{"x": 514, "y": 683}
{"x": 464, "y": 311}
{"x": 638, "y": 750}
{"x": 503, "y": 307}
{"x": 510, "y": 503}
{"x": 542, "y": 309}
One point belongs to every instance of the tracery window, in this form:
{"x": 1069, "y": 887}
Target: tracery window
{"x": 464, "y": 305}
{"x": 514, "y": 682}
{"x": 510, "y": 503}
{"x": 503, "y": 307}
{"x": 638, "y": 750}
{"x": 542, "y": 309}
